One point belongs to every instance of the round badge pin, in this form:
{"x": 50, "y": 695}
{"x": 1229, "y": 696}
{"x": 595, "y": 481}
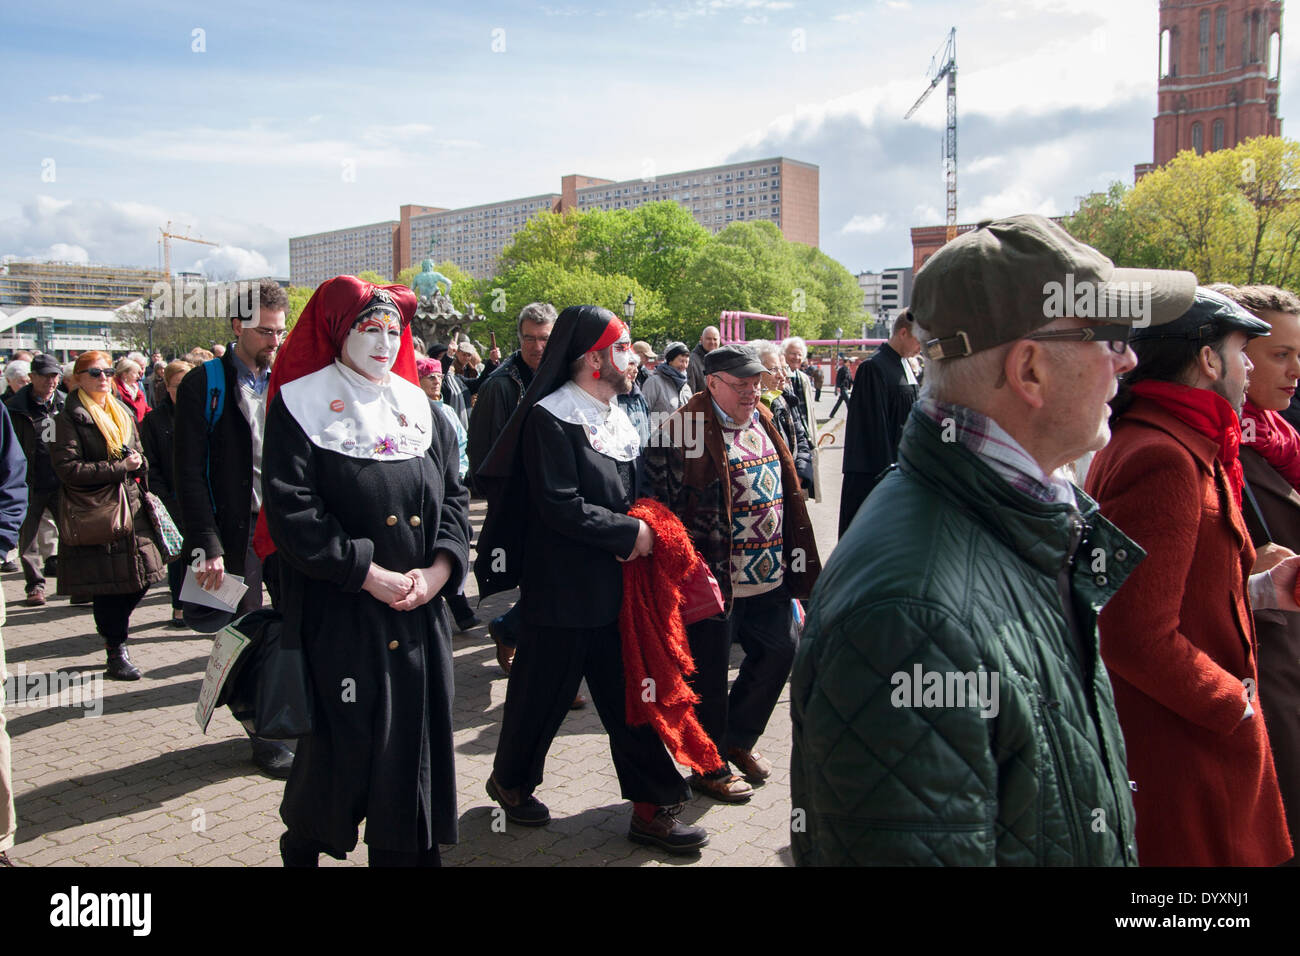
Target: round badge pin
{"x": 336, "y": 405}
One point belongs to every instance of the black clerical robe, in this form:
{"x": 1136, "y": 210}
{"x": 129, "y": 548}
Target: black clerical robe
{"x": 881, "y": 399}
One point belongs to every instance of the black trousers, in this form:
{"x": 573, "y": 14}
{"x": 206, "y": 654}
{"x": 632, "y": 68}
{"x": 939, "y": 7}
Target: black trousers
{"x": 548, "y": 668}
{"x": 840, "y": 400}
{"x": 29, "y": 551}
{"x": 764, "y": 625}
{"x": 112, "y": 614}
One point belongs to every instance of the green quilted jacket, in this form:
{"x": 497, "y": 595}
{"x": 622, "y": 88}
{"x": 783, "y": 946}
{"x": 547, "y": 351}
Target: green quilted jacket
{"x": 948, "y": 581}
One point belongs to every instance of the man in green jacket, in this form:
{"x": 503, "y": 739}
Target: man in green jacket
{"x": 950, "y": 705}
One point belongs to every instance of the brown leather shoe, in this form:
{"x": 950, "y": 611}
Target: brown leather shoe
{"x": 667, "y": 832}
{"x": 728, "y": 788}
{"x": 505, "y": 653}
{"x": 751, "y": 763}
{"x": 36, "y": 597}
{"x": 579, "y": 702}
{"x": 5, "y": 861}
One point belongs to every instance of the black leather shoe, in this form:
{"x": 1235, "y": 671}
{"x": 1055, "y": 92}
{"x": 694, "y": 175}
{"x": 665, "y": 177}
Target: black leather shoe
{"x": 273, "y": 757}
{"x": 9, "y": 567}
{"x": 51, "y": 568}
{"x": 466, "y": 623}
{"x": 667, "y": 832}
{"x": 526, "y": 811}
{"x": 119, "y": 664}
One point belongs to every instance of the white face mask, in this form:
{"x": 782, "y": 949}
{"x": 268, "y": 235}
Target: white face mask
{"x": 621, "y": 352}
{"x": 371, "y": 347}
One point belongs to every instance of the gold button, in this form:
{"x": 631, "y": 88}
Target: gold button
{"x": 390, "y": 520}
{"x": 393, "y": 645}
{"x": 415, "y": 521}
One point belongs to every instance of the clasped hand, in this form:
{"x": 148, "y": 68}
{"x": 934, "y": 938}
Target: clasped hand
{"x": 406, "y": 592}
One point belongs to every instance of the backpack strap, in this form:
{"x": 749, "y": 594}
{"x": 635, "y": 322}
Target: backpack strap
{"x": 212, "y": 409}
{"x": 216, "y": 392}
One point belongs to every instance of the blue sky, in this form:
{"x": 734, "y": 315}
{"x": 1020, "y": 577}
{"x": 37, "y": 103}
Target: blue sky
{"x": 285, "y": 118}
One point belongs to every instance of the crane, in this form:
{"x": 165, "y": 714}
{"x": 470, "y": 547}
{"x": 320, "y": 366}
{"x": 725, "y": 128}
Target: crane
{"x": 165, "y": 237}
{"x": 939, "y": 68}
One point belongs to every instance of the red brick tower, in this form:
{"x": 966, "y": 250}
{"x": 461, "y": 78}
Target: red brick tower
{"x": 1219, "y": 72}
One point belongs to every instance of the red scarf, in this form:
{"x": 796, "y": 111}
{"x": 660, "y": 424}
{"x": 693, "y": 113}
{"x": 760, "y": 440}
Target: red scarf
{"x": 1207, "y": 412}
{"x": 654, "y": 642}
{"x": 1273, "y": 437}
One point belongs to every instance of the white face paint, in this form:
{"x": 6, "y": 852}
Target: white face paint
{"x": 371, "y": 347}
{"x": 621, "y": 352}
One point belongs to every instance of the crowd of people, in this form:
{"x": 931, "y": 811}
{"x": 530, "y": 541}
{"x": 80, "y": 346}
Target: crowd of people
{"x": 1059, "y": 627}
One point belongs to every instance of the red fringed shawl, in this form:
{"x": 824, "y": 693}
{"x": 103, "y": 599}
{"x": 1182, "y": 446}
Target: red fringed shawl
{"x": 656, "y": 657}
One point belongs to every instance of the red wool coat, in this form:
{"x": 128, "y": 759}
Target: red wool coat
{"x": 1179, "y": 642}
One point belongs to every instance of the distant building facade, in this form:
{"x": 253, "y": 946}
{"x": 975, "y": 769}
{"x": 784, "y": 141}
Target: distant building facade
{"x": 779, "y": 190}
{"x": 886, "y": 293}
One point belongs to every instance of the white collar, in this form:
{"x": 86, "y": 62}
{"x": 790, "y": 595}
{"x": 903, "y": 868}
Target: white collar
{"x": 606, "y": 425}
{"x": 343, "y": 411}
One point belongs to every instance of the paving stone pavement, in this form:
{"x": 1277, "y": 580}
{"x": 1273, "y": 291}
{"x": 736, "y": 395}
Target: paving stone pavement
{"x": 141, "y": 786}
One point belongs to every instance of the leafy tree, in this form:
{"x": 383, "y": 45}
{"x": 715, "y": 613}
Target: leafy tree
{"x": 1229, "y": 215}
{"x": 546, "y": 237}
{"x": 653, "y": 243}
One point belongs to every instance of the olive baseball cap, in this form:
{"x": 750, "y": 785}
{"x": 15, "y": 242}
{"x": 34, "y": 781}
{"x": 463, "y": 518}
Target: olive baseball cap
{"x": 1009, "y": 277}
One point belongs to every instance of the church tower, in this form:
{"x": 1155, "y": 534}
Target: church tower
{"x": 1219, "y": 73}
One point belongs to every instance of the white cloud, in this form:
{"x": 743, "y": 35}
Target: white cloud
{"x": 393, "y": 146}
{"x": 866, "y": 225}
{"x": 126, "y": 233}
{"x": 690, "y": 9}
{"x": 232, "y": 262}
{"x": 69, "y": 98}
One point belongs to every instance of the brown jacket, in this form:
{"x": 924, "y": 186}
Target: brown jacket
{"x": 1179, "y": 641}
{"x": 1279, "y": 632}
{"x": 80, "y": 457}
{"x": 697, "y": 489}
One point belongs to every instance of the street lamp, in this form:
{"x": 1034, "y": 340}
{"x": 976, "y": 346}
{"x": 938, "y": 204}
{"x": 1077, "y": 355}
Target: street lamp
{"x": 629, "y": 309}
{"x": 150, "y": 317}
{"x": 839, "y": 334}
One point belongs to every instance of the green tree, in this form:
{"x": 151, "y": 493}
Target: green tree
{"x": 546, "y": 237}
{"x": 653, "y": 243}
{"x": 1229, "y": 215}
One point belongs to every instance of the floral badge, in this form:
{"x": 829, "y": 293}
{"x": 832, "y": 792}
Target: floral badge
{"x": 386, "y": 446}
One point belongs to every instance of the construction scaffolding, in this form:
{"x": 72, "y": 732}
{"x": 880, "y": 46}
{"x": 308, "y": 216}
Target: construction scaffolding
{"x": 71, "y": 285}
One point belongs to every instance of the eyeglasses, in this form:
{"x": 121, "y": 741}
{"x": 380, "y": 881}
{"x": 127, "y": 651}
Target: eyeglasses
{"x": 1115, "y": 336}
{"x": 270, "y": 333}
{"x": 98, "y": 372}
{"x": 535, "y": 339}
{"x": 741, "y": 388}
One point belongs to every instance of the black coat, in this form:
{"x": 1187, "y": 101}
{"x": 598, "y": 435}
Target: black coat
{"x": 81, "y": 460}
{"x": 576, "y": 528}
{"x": 878, "y": 408}
{"x": 786, "y": 418}
{"x": 156, "y": 440}
{"x": 35, "y": 436}
{"x": 498, "y": 397}
{"x": 225, "y": 531}
{"x": 386, "y": 755}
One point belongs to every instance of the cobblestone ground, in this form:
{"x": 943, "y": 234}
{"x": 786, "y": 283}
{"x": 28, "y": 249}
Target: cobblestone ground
{"x": 141, "y": 786}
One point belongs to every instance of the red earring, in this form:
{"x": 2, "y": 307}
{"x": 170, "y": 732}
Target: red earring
{"x": 596, "y": 374}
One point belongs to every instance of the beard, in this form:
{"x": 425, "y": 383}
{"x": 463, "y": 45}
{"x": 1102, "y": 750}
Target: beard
{"x": 610, "y": 372}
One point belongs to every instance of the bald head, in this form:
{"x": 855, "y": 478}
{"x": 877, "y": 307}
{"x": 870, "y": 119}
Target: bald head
{"x": 710, "y": 338}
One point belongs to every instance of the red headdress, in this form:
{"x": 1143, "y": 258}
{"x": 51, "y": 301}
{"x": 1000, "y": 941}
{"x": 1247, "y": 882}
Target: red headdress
{"x": 317, "y": 340}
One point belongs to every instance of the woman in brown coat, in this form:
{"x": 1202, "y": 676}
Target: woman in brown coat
{"x": 1270, "y": 457}
{"x": 96, "y": 444}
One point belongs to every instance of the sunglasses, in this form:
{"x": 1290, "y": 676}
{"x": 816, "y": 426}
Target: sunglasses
{"x": 98, "y": 372}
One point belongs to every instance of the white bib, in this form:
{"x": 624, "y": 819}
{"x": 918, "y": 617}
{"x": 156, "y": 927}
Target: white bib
{"x": 343, "y": 411}
{"x": 607, "y": 427}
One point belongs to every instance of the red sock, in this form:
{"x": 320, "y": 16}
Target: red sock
{"x": 645, "y": 812}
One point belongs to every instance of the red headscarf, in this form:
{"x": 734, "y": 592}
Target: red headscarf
{"x": 317, "y": 340}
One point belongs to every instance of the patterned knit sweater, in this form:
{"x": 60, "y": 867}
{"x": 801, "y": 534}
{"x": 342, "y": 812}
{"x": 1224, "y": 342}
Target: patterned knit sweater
{"x": 754, "y": 472}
